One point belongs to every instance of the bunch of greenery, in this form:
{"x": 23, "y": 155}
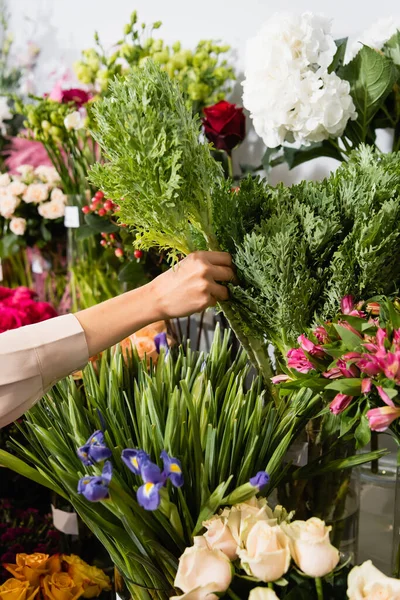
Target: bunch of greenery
{"x": 298, "y": 250}
{"x": 203, "y": 74}
{"x": 195, "y": 407}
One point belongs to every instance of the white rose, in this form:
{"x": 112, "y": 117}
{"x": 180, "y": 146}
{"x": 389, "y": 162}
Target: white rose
{"x": 200, "y": 593}
{"x": 368, "y": 583}
{"x": 310, "y": 546}
{"x": 266, "y": 555}
{"x": 203, "y": 571}
{"x": 5, "y": 179}
{"x": 18, "y": 225}
{"x": 16, "y": 188}
{"x": 241, "y": 517}
{"x": 58, "y": 196}
{"x": 36, "y": 192}
{"x": 262, "y": 593}
{"x": 219, "y": 536}
{"x": 25, "y": 170}
{"x": 51, "y": 210}
{"x": 8, "y": 204}
{"x": 47, "y": 174}
{"x": 74, "y": 121}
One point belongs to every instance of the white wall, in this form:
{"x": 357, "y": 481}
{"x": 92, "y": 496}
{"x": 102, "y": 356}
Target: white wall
{"x": 63, "y": 27}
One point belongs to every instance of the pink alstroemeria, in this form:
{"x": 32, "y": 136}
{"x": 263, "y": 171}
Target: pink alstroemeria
{"x": 387, "y": 400}
{"x": 347, "y": 371}
{"x": 334, "y": 373}
{"x": 321, "y": 334}
{"x": 392, "y": 365}
{"x": 347, "y": 307}
{"x": 381, "y": 336}
{"x": 396, "y": 338}
{"x": 373, "y": 308}
{"x": 366, "y": 385}
{"x": 298, "y": 360}
{"x": 340, "y": 403}
{"x": 380, "y": 418}
{"x": 310, "y": 347}
{"x": 370, "y": 365}
{"x": 280, "y": 378}
{"x": 352, "y": 357}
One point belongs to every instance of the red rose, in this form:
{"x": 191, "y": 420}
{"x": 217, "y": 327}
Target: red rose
{"x": 41, "y": 311}
{"x": 11, "y": 318}
{"x": 5, "y": 292}
{"x": 80, "y": 97}
{"x": 224, "y": 125}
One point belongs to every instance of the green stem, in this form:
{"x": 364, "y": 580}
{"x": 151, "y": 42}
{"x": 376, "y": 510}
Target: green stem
{"x": 270, "y": 585}
{"x": 318, "y": 587}
{"x": 232, "y": 595}
{"x": 230, "y": 165}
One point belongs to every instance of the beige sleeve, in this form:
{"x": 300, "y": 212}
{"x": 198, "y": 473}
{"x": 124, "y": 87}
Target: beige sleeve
{"x": 34, "y": 358}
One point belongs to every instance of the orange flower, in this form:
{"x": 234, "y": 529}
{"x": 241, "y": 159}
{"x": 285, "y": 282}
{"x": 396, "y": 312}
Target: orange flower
{"x": 92, "y": 579}
{"x": 60, "y": 586}
{"x": 29, "y": 567}
{"x": 14, "y": 589}
{"x": 54, "y": 563}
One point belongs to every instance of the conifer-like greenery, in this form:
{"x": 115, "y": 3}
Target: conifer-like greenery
{"x": 298, "y": 250}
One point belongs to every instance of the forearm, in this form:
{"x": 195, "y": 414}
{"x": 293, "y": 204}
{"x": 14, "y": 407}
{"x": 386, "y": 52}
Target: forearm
{"x": 112, "y": 321}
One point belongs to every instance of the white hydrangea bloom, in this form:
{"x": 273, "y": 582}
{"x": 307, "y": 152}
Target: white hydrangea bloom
{"x": 287, "y": 89}
{"x": 375, "y": 36}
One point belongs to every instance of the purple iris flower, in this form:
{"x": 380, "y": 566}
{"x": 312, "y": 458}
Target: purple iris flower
{"x": 95, "y": 449}
{"x": 161, "y": 341}
{"x": 148, "y": 495}
{"x": 151, "y": 473}
{"x": 134, "y": 459}
{"x": 96, "y": 488}
{"x": 172, "y": 469}
{"x": 260, "y": 480}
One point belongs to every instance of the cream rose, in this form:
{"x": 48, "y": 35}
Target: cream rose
{"x": 4, "y": 179}
{"x": 262, "y": 593}
{"x": 58, "y": 196}
{"x": 16, "y": 188}
{"x": 25, "y": 170}
{"x": 36, "y": 193}
{"x": 266, "y": 554}
{"x": 47, "y": 174}
{"x": 219, "y": 536}
{"x": 310, "y": 546}
{"x": 368, "y": 583}
{"x": 8, "y": 204}
{"x": 18, "y": 225}
{"x": 51, "y": 210}
{"x": 241, "y": 517}
{"x": 203, "y": 572}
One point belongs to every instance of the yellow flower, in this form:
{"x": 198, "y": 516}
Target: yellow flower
{"x": 60, "y": 586}
{"x": 29, "y": 567}
{"x": 14, "y": 589}
{"x": 92, "y": 579}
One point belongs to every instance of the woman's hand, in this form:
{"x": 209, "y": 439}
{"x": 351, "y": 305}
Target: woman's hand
{"x": 191, "y": 285}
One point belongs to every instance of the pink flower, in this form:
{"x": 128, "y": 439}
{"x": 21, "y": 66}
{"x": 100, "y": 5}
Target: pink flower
{"x": 25, "y": 152}
{"x": 370, "y": 365}
{"x": 310, "y": 347}
{"x": 352, "y": 357}
{"x": 280, "y": 378}
{"x": 396, "y": 338}
{"x": 11, "y": 318}
{"x": 346, "y": 371}
{"x": 340, "y": 403}
{"x": 5, "y": 292}
{"x": 380, "y": 418}
{"x": 334, "y": 373}
{"x": 78, "y": 96}
{"x": 392, "y": 365}
{"x": 321, "y": 334}
{"x": 381, "y": 336}
{"x": 366, "y": 385}
{"x": 347, "y": 304}
{"x": 297, "y": 360}
{"x": 347, "y": 307}
{"x": 384, "y": 396}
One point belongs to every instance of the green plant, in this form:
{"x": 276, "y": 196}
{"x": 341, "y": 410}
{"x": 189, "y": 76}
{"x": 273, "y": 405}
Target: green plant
{"x": 195, "y": 407}
{"x": 298, "y": 250}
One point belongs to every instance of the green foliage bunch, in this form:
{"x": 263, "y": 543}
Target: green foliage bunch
{"x": 298, "y": 250}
